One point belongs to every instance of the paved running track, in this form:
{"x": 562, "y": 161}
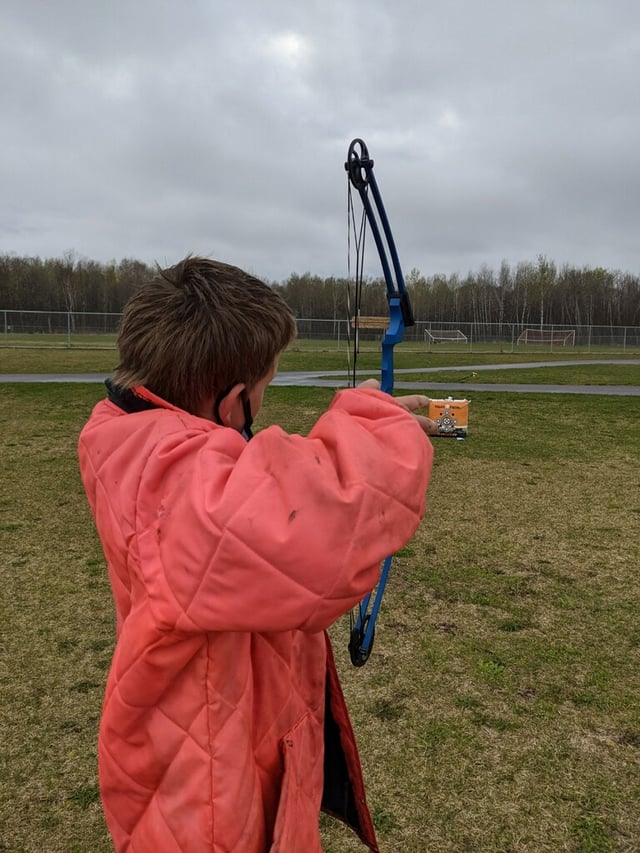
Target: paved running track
{"x": 338, "y": 379}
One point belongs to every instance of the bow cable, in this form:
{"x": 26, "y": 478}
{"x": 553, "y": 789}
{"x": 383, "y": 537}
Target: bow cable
{"x": 353, "y": 311}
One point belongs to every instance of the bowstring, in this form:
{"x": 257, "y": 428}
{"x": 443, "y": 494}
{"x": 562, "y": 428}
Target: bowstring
{"x": 353, "y": 314}
{"x": 359, "y": 232}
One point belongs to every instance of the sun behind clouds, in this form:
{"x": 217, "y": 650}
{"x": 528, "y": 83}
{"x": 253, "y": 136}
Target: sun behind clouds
{"x": 290, "y": 48}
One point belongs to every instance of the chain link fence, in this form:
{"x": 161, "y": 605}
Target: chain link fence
{"x": 76, "y": 329}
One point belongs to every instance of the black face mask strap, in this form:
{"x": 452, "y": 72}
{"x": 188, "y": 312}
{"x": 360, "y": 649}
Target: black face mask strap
{"x": 248, "y": 417}
{"x": 246, "y": 408}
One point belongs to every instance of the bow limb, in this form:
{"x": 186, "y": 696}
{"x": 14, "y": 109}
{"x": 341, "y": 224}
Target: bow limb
{"x": 359, "y": 167}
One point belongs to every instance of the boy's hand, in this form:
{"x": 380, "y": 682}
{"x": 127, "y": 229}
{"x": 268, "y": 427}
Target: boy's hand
{"x": 410, "y": 402}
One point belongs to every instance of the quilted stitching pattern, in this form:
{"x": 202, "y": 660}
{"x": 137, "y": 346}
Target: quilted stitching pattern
{"x": 212, "y": 731}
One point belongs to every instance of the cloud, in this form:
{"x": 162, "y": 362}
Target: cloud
{"x": 291, "y": 49}
{"x": 147, "y": 130}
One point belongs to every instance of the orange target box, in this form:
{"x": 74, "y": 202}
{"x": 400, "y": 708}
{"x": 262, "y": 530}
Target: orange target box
{"x": 451, "y": 416}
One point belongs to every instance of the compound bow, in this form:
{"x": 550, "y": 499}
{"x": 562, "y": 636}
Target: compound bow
{"x": 359, "y": 167}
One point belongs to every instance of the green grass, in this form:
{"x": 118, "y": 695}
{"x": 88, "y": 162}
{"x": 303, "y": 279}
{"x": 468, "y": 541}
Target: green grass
{"x": 303, "y": 356}
{"x": 499, "y": 711}
{"x": 577, "y": 374}
{"x": 603, "y": 345}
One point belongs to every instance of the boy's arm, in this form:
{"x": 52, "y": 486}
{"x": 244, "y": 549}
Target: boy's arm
{"x": 289, "y": 534}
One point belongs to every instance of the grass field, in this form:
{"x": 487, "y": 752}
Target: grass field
{"x": 604, "y": 346}
{"x": 500, "y": 710}
{"x": 16, "y": 360}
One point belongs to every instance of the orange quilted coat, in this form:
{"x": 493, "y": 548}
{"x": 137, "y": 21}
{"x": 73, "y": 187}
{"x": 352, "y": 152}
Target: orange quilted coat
{"x": 228, "y": 560}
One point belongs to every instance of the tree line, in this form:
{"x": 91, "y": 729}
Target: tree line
{"x": 528, "y": 293}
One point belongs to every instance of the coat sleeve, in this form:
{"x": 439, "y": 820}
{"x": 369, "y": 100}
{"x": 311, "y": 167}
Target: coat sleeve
{"x": 284, "y": 532}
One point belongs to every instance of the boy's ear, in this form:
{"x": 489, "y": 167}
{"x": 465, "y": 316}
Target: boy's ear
{"x": 229, "y": 402}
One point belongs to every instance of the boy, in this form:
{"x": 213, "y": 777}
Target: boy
{"x": 224, "y": 727}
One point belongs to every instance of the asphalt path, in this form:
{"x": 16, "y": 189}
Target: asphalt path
{"x": 339, "y": 379}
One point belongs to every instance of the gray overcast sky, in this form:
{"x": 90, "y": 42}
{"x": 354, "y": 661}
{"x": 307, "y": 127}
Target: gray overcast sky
{"x": 149, "y": 129}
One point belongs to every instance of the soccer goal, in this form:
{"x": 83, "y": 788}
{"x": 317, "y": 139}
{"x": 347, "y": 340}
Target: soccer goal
{"x": 436, "y": 336}
{"x": 551, "y": 336}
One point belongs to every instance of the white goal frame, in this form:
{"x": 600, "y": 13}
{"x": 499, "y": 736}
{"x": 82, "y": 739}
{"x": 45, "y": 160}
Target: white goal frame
{"x": 564, "y": 337}
{"x": 436, "y": 336}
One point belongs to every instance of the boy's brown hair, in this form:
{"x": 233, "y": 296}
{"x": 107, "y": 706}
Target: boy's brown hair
{"x": 198, "y": 328}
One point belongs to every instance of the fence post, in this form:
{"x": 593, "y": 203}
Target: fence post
{"x": 68, "y": 329}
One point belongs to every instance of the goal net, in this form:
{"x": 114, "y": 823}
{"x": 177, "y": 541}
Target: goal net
{"x": 560, "y": 337}
{"x": 439, "y": 335}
